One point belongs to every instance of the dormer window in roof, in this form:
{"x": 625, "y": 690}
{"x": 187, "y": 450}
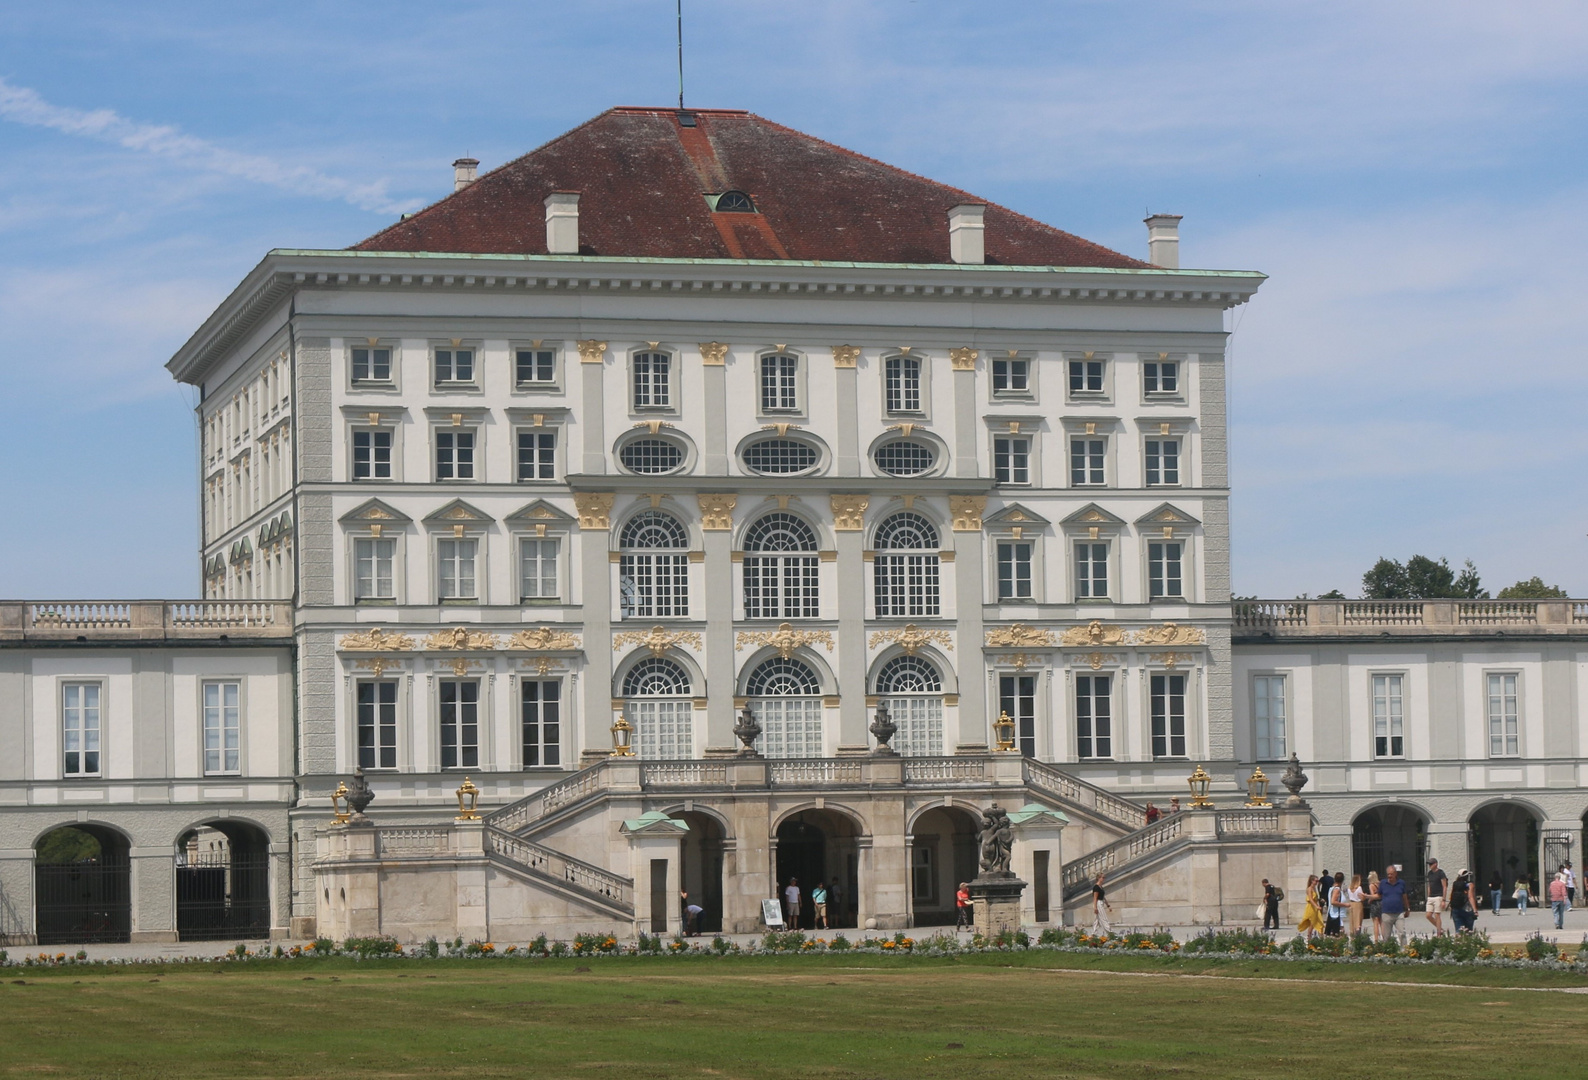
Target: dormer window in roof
{"x": 733, "y": 202}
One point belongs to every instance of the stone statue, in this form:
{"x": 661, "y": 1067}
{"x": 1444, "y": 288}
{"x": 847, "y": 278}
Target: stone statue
{"x": 359, "y": 796}
{"x": 1294, "y": 780}
{"x": 747, "y": 730}
{"x": 884, "y": 729}
{"x": 997, "y": 842}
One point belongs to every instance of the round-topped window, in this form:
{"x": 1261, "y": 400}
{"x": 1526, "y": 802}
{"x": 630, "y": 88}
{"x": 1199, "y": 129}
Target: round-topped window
{"x": 780, "y": 457}
{"x": 651, "y": 456}
{"x": 904, "y": 457}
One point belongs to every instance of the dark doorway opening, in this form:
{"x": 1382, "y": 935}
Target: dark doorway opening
{"x": 701, "y": 875}
{"x": 820, "y": 846}
{"x": 223, "y": 883}
{"x": 942, "y": 855}
{"x": 82, "y": 886}
{"x": 1391, "y": 834}
{"x": 1504, "y": 838}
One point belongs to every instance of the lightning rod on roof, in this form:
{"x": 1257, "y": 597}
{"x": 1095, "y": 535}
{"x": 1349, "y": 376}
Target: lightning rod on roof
{"x": 680, "y": 55}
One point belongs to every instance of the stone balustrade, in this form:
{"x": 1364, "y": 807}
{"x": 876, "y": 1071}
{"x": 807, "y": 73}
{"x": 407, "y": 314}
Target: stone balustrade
{"x": 144, "y": 620}
{"x": 1265, "y": 619}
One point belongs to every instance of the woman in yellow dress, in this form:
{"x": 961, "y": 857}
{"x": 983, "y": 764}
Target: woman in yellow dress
{"x": 1311, "y": 917}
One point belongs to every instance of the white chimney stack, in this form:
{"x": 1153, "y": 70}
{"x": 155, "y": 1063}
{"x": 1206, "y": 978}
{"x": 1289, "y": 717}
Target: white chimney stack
{"x": 1163, "y": 240}
{"x": 967, "y": 233}
{"x": 562, "y": 223}
{"x": 465, "y": 171}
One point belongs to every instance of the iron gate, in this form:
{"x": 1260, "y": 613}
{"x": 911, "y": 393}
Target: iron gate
{"x": 84, "y": 903}
{"x": 221, "y": 897}
{"x": 1557, "y": 853}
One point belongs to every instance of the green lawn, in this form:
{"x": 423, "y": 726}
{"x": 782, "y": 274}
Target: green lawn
{"x": 1030, "y": 1015}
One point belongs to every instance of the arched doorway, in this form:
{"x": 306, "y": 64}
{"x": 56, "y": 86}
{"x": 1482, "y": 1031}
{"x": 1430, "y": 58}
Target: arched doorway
{"x": 82, "y": 886}
{"x": 223, "y": 882}
{"x": 942, "y": 855}
{"x": 701, "y": 875}
{"x": 821, "y": 846}
{"x": 1503, "y": 838}
{"x": 1391, "y": 834}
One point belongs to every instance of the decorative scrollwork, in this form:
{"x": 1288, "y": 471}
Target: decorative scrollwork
{"x": 910, "y": 638}
{"x": 375, "y": 640}
{"x": 713, "y": 353}
{"x": 1170, "y": 634}
{"x": 844, "y": 356}
{"x": 963, "y": 359}
{"x": 1171, "y": 660}
{"x": 1019, "y": 636}
{"x": 658, "y": 639}
{"x": 967, "y": 511}
{"x": 785, "y": 639}
{"x": 461, "y": 637}
{"x": 592, "y": 351}
{"x": 543, "y": 639}
{"x": 849, "y": 512}
{"x": 1093, "y": 634}
{"x": 594, "y": 508}
{"x": 716, "y": 511}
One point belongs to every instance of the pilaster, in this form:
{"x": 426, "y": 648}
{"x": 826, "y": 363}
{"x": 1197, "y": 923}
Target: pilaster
{"x": 969, "y": 560}
{"x": 851, "y": 569}
{"x": 847, "y": 452}
{"x": 715, "y": 377}
{"x": 720, "y": 657}
{"x": 592, "y": 406}
{"x": 595, "y": 518}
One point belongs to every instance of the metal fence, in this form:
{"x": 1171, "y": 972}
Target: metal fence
{"x": 222, "y": 898}
{"x": 84, "y": 903}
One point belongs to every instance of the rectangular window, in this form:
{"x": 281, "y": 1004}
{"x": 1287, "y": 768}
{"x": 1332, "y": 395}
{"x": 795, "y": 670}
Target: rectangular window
{"x": 80, "y": 728}
{"x": 664, "y": 729}
{"x": 1011, "y": 376}
{"x": 460, "y": 724}
{"x": 1504, "y": 738}
{"x": 1017, "y": 699}
{"x": 651, "y": 388}
{"x": 906, "y": 584}
{"x": 537, "y": 455}
{"x": 1086, "y": 462}
{"x": 1268, "y": 716}
{"x": 537, "y": 570}
{"x": 1161, "y": 377}
{"x": 535, "y": 367}
{"x": 1094, "y": 716}
{"x": 371, "y": 365}
{"x": 653, "y": 584}
{"x": 377, "y": 724}
{"x": 1086, "y": 376}
{"x": 455, "y": 579}
{"x": 902, "y": 378}
{"x": 371, "y": 455}
{"x": 1012, "y": 460}
{"x": 781, "y": 586}
{"x": 1014, "y": 570}
{"x": 1091, "y": 571}
{"x": 779, "y": 383}
{"x": 372, "y": 570}
{"x": 923, "y": 873}
{"x": 222, "y": 726}
{"x": 454, "y": 455}
{"x": 1388, "y": 733}
{"x": 1163, "y": 462}
{"x": 1163, "y": 570}
{"x": 454, "y": 366}
{"x": 1168, "y": 716}
{"x": 541, "y": 711}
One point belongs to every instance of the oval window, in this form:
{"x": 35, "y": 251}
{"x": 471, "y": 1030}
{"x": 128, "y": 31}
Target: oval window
{"x": 780, "y": 456}
{"x": 904, "y": 457}
{"x": 651, "y": 456}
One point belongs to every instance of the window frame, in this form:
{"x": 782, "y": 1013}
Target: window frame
{"x": 671, "y": 585}
{"x": 452, "y": 382}
{"x": 1076, "y": 561}
{"x": 791, "y": 384}
{"x": 1029, "y": 453}
{"x": 1030, "y": 543}
{"x": 1071, "y": 438}
{"x": 899, "y": 573}
{"x": 541, "y": 432}
{"x": 559, "y": 571}
{"x": 372, "y": 430}
{"x": 1162, "y": 717}
{"x": 1148, "y": 392}
{"x": 1093, "y": 740}
{"x": 101, "y": 693}
{"x": 923, "y": 386}
{"x": 378, "y": 745}
{"x": 477, "y": 568}
{"x": 543, "y": 747}
{"x": 793, "y": 589}
{"x": 1148, "y": 456}
{"x": 1105, "y": 389}
{"x": 1182, "y": 564}
{"x": 554, "y": 385}
{"x": 359, "y": 539}
{"x": 1391, "y": 721}
{"x": 1009, "y": 392}
{"x": 1025, "y": 702}
{"x": 371, "y": 382}
{"x": 1510, "y": 741}
{"x": 670, "y": 389}
{"x": 476, "y": 434}
{"x": 460, "y": 723}
{"x": 1268, "y": 679}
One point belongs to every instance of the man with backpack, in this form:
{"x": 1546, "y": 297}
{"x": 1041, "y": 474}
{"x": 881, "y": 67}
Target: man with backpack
{"x": 1272, "y": 895}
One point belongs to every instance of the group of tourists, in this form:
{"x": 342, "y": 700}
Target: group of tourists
{"x": 1153, "y": 813}
{"x": 1335, "y": 907}
{"x": 820, "y": 898}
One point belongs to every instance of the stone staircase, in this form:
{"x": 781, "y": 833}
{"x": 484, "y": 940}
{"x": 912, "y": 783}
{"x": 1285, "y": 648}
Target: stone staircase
{"x": 562, "y": 873}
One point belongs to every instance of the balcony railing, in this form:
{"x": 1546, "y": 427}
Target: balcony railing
{"x": 143, "y": 620}
{"x": 1314, "y": 618}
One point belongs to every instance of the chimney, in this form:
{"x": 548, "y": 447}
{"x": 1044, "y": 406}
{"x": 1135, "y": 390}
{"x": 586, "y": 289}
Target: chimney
{"x": 562, "y": 223}
{"x": 1163, "y": 240}
{"x": 967, "y": 234}
{"x": 465, "y": 171}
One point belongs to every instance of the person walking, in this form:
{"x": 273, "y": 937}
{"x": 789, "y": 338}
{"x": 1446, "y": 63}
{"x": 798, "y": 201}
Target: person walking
{"x": 1496, "y": 891}
{"x": 1522, "y": 893}
{"x": 1392, "y": 895}
{"x": 1353, "y": 904}
{"x": 791, "y": 904}
{"x": 1438, "y": 896}
{"x": 1272, "y": 895}
{"x": 1101, "y": 908}
{"x": 819, "y": 898}
{"x": 1153, "y": 813}
{"x": 1174, "y": 805}
{"x": 962, "y": 908}
{"x": 1463, "y": 903}
{"x": 1571, "y": 886}
{"x": 1311, "y": 914}
{"x": 1375, "y": 906}
{"x": 1337, "y": 906}
{"x": 1557, "y": 899}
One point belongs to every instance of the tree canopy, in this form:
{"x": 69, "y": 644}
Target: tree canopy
{"x": 1421, "y": 578}
{"x": 1531, "y": 589}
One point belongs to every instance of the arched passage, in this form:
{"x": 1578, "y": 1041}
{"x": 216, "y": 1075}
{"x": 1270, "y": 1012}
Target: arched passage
{"x": 1390, "y": 834}
{"x": 223, "y": 882}
{"x": 1503, "y": 839}
{"x": 82, "y": 886}
{"x": 942, "y": 855}
{"x": 821, "y": 846}
{"x": 701, "y": 874}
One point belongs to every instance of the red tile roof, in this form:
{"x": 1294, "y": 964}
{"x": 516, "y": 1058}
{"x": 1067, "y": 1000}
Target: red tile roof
{"x": 643, "y": 178}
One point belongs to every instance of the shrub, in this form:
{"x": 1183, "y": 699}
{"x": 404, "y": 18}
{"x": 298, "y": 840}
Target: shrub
{"x": 649, "y": 945}
{"x": 324, "y": 946}
{"x": 1054, "y": 935}
{"x": 721, "y": 945}
{"x": 536, "y": 947}
{"x": 1540, "y": 949}
{"x": 432, "y": 948}
{"x": 790, "y": 941}
{"x": 1241, "y": 940}
{"x": 839, "y": 944}
{"x": 384, "y": 945}
{"x": 559, "y": 948}
{"x": 588, "y": 944}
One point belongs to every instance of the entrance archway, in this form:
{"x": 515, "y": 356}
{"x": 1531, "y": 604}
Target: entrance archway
{"x": 702, "y": 867}
{"x": 1391, "y": 834}
{"x": 942, "y": 855}
{"x": 223, "y": 882}
{"x": 82, "y": 886}
{"x": 1503, "y": 837}
{"x": 821, "y": 846}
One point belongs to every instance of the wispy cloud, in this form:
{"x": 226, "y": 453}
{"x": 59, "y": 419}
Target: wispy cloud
{"x": 22, "y": 105}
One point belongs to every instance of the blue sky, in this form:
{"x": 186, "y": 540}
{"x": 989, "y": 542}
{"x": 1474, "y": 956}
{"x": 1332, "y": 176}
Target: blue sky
{"x": 1411, "y": 175}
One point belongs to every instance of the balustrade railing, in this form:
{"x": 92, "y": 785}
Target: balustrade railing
{"x": 580, "y": 875}
{"x": 1260, "y": 613}
{"x": 1105, "y": 804}
{"x": 144, "y": 619}
{"x": 415, "y": 841}
{"x": 225, "y": 613}
{"x": 1078, "y": 873}
{"x": 1497, "y": 612}
{"x": 814, "y": 771}
{"x": 580, "y": 786}
{"x": 88, "y": 615}
{"x": 683, "y": 773}
{"x": 1247, "y": 822}
{"x": 1382, "y": 612}
{"x": 944, "y": 769}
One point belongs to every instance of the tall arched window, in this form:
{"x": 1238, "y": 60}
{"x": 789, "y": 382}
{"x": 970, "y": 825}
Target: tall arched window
{"x": 906, "y": 567}
{"x": 913, "y": 688}
{"x": 780, "y": 569}
{"x": 653, "y": 567}
{"x": 656, "y": 694}
{"x": 786, "y": 697}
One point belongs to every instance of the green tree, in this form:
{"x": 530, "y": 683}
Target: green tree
{"x": 67, "y": 845}
{"x": 1531, "y": 589}
{"x": 1386, "y": 581}
{"x": 1422, "y": 578}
